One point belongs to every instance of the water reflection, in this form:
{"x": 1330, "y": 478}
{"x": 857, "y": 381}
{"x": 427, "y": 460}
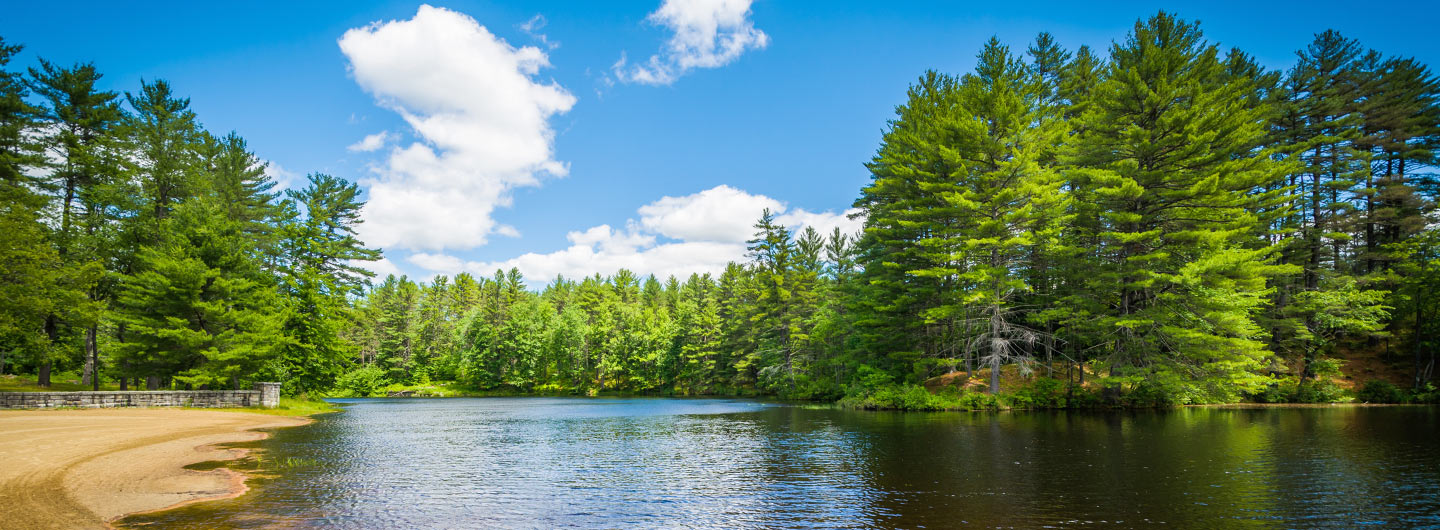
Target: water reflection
{"x": 545, "y": 462}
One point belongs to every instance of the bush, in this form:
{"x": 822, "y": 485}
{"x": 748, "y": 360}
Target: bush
{"x": 1275, "y": 393}
{"x": 1290, "y": 391}
{"x": 363, "y": 381}
{"x": 1429, "y": 394}
{"x": 1148, "y": 395}
{"x": 1043, "y": 393}
{"x": 1378, "y": 391}
{"x": 1325, "y": 391}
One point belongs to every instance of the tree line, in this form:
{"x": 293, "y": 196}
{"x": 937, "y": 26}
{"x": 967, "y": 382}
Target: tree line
{"x": 1163, "y": 222}
{"x": 766, "y": 327}
{"x": 1172, "y": 221}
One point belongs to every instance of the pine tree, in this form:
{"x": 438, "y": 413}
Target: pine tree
{"x": 197, "y": 308}
{"x": 1008, "y": 200}
{"x": 1171, "y": 156}
{"x": 897, "y": 313}
{"x": 318, "y": 252}
{"x": 1325, "y": 90}
{"x": 165, "y": 136}
{"x": 83, "y": 141}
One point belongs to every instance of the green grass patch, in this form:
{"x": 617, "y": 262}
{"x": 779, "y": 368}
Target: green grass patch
{"x": 59, "y": 382}
{"x": 1042, "y": 393}
{"x": 297, "y": 406}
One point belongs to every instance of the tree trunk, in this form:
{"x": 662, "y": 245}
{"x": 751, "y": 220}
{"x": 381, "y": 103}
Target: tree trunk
{"x": 88, "y": 374}
{"x": 152, "y": 382}
{"x": 124, "y": 383}
{"x": 995, "y": 378}
{"x": 52, "y": 331}
{"x": 1420, "y": 368}
{"x": 1370, "y": 223}
{"x": 969, "y": 365}
{"x": 1312, "y": 266}
{"x": 93, "y": 359}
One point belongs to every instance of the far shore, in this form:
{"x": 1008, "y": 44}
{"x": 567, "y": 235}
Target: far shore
{"x": 87, "y": 468}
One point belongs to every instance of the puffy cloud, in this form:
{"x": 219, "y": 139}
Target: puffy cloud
{"x": 371, "y": 142}
{"x": 382, "y": 268}
{"x": 823, "y": 222}
{"x": 723, "y": 214}
{"x": 706, "y": 34}
{"x": 283, "y": 178}
{"x": 481, "y": 116}
{"x": 435, "y": 262}
{"x": 705, "y": 231}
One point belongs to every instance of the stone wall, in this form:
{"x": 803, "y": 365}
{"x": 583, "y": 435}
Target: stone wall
{"x": 264, "y": 395}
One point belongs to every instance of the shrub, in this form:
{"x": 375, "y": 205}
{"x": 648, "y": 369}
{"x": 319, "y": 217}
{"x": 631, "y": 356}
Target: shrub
{"x": 1043, "y": 393}
{"x": 1429, "y": 394}
{"x": 1324, "y": 391}
{"x": 1148, "y": 395}
{"x": 363, "y": 381}
{"x": 1379, "y": 391}
{"x": 978, "y": 401}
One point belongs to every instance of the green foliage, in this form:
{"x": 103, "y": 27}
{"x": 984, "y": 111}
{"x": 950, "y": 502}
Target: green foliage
{"x": 1043, "y": 393}
{"x": 317, "y": 251}
{"x": 1160, "y": 221}
{"x": 197, "y": 307}
{"x": 905, "y": 397}
{"x": 1380, "y": 391}
{"x": 364, "y": 381}
{"x": 1427, "y": 393}
{"x": 302, "y": 405}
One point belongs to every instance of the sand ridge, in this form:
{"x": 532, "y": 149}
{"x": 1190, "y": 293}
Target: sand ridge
{"x": 85, "y": 468}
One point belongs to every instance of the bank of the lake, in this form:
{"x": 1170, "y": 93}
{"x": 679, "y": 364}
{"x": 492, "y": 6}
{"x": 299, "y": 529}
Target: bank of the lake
{"x": 85, "y": 468}
{"x": 658, "y": 462}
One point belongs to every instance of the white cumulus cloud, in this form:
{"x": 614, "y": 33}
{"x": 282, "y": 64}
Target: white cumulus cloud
{"x": 283, "y": 178}
{"x": 436, "y": 262}
{"x": 371, "y": 142}
{"x": 722, "y": 214}
{"x": 482, "y": 118}
{"x": 675, "y": 236}
{"x": 382, "y": 267}
{"x": 706, "y": 34}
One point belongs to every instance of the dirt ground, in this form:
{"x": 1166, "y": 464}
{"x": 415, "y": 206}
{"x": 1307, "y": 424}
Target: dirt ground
{"x": 84, "y": 468}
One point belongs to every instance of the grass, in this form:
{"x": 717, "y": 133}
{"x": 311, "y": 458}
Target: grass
{"x": 296, "y": 406}
{"x": 59, "y": 382}
{"x": 433, "y": 389}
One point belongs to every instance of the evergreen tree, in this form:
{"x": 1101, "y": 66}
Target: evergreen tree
{"x": 319, "y": 251}
{"x": 1007, "y": 203}
{"x": 166, "y": 137}
{"x": 1171, "y": 156}
{"x": 897, "y": 313}
{"x": 84, "y": 145}
{"x": 196, "y": 309}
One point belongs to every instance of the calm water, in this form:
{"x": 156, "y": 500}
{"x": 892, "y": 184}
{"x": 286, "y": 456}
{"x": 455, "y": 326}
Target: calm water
{"x": 553, "y": 462}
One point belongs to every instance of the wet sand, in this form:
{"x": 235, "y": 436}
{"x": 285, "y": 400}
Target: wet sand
{"x": 85, "y": 468}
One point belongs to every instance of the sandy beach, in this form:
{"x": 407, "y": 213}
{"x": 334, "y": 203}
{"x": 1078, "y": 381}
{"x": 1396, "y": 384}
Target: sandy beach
{"x": 84, "y": 468}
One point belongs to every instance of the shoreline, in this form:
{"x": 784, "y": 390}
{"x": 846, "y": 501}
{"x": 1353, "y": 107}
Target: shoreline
{"x": 90, "y": 468}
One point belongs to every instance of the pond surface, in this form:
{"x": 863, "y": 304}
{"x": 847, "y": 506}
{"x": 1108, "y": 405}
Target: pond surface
{"x": 558, "y": 462}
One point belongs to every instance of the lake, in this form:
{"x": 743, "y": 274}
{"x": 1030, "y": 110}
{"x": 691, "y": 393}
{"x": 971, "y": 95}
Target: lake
{"x": 576, "y": 462}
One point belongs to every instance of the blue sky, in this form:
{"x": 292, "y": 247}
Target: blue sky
{"x": 552, "y": 159}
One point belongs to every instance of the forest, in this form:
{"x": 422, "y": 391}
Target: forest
{"x": 1163, "y": 222}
